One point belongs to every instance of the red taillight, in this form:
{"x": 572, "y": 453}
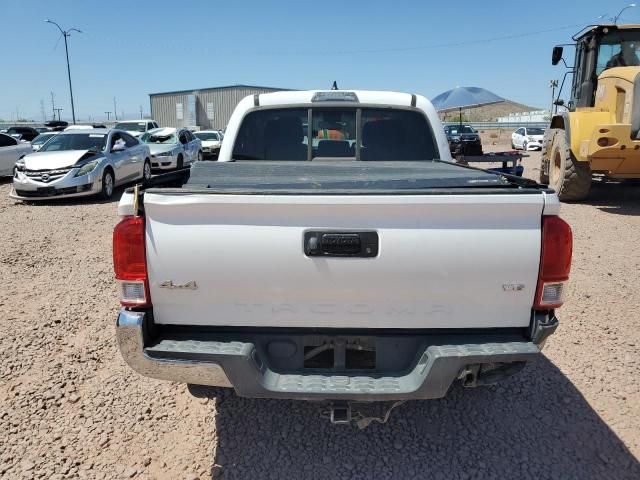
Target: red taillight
{"x": 130, "y": 262}
{"x": 555, "y": 262}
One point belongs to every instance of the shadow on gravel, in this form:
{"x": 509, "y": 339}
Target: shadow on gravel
{"x": 621, "y": 198}
{"x": 535, "y": 425}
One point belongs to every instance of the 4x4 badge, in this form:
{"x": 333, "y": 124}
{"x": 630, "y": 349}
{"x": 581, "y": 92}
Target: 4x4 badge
{"x": 192, "y": 285}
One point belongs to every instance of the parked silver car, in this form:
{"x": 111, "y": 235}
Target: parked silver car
{"x": 11, "y": 149}
{"x": 81, "y": 162}
{"x": 172, "y": 148}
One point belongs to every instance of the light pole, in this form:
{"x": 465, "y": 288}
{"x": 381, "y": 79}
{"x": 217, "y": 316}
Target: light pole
{"x": 615, "y": 19}
{"x": 108, "y": 115}
{"x": 65, "y": 34}
{"x": 53, "y": 106}
{"x": 553, "y": 84}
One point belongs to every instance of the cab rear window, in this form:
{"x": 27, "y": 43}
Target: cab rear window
{"x": 367, "y": 134}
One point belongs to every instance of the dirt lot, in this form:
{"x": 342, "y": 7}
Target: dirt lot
{"x": 70, "y": 408}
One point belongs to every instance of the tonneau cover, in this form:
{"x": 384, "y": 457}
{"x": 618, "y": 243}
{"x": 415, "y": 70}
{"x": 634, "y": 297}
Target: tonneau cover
{"x": 337, "y": 177}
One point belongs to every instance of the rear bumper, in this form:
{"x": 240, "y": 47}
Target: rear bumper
{"x": 241, "y": 366}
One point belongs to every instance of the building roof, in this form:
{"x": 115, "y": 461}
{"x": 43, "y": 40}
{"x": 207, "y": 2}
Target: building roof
{"x": 217, "y": 88}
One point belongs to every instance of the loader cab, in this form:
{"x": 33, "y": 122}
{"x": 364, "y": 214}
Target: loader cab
{"x": 597, "y": 48}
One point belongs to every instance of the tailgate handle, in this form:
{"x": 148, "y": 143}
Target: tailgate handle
{"x": 340, "y": 244}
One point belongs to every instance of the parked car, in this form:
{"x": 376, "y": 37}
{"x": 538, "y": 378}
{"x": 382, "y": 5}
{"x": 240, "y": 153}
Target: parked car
{"x": 463, "y": 140}
{"x": 172, "y": 148}
{"x": 11, "y": 150}
{"x": 57, "y": 125}
{"x": 25, "y": 133}
{"x": 136, "y": 127}
{"x": 377, "y": 276}
{"x": 37, "y": 142}
{"x": 43, "y": 129}
{"x": 211, "y": 142}
{"x": 527, "y": 138}
{"x": 78, "y": 127}
{"x": 84, "y": 127}
{"x": 81, "y": 162}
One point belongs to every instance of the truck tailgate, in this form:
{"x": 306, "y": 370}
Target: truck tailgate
{"x": 444, "y": 261}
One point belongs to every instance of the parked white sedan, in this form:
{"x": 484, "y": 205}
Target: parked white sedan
{"x": 136, "y": 127}
{"x": 172, "y": 148}
{"x": 527, "y": 138}
{"x": 211, "y": 142}
{"x": 11, "y": 150}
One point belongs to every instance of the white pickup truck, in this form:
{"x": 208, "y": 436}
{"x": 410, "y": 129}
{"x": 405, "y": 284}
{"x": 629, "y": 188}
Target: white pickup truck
{"x": 335, "y": 253}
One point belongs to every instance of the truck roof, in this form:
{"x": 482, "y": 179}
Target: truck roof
{"x": 333, "y": 98}
{"x": 369, "y": 97}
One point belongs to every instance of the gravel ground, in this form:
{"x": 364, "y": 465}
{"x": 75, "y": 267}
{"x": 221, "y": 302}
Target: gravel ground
{"x": 70, "y": 408}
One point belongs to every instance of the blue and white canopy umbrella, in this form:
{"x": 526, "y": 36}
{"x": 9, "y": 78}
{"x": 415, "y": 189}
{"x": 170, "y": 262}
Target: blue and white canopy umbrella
{"x": 464, "y": 97}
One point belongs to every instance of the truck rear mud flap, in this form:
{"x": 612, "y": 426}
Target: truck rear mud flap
{"x": 241, "y": 366}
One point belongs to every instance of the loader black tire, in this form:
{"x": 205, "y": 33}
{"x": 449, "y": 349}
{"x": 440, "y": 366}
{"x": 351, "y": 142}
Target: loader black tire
{"x": 570, "y": 178}
{"x": 544, "y": 155}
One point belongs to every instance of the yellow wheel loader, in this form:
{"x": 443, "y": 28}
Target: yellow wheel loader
{"x": 599, "y": 133}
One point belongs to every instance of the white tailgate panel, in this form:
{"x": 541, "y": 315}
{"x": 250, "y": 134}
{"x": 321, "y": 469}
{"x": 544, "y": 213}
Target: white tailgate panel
{"x": 443, "y": 262}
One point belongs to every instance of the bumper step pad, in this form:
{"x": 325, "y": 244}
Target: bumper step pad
{"x": 238, "y": 364}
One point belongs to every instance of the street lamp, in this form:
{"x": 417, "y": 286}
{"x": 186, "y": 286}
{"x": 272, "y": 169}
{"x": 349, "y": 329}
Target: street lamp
{"x": 553, "y": 84}
{"x": 615, "y": 19}
{"x": 65, "y": 34}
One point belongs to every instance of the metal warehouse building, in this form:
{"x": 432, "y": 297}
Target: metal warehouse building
{"x": 207, "y": 108}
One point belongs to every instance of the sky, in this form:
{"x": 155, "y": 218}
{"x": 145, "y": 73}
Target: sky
{"x": 128, "y": 49}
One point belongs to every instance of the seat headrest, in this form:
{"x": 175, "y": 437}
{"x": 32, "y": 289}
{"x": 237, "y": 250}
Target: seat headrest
{"x": 288, "y": 129}
{"x": 380, "y": 132}
{"x": 334, "y": 148}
